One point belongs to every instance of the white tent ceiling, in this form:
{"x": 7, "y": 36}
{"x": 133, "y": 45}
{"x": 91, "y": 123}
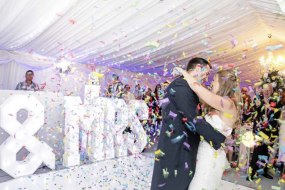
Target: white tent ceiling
{"x": 147, "y": 36}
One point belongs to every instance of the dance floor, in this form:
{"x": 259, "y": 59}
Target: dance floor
{"x": 133, "y": 172}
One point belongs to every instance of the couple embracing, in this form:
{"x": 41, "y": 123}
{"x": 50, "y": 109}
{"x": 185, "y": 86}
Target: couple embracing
{"x": 190, "y": 153}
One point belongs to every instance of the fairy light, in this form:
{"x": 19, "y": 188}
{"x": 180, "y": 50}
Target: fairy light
{"x": 271, "y": 61}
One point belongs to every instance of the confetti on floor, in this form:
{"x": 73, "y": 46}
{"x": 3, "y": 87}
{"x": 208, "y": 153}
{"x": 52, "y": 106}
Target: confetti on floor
{"x": 126, "y": 173}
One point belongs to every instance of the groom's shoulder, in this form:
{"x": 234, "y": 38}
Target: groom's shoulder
{"x": 179, "y": 81}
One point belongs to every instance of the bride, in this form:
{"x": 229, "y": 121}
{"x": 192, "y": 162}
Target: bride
{"x": 223, "y": 114}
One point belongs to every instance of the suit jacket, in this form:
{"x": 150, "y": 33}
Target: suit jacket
{"x": 179, "y": 139}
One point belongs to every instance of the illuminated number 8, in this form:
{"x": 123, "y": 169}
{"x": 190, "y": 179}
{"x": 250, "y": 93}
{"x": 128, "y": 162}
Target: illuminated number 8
{"x": 22, "y": 135}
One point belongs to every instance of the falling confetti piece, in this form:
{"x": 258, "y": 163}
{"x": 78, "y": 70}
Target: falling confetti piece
{"x": 171, "y": 126}
{"x": 165, "y": 173}
{"x": 275, "y": 188}
{"x": 172, "y": 91}
{"x": 191, "y": 126}
{"x": 159, "y": 153}
{"x": 186, "y": 166}
{"x": 263, "y": 135}
{"x": 173, "y": 115}
{"x": 234, "y": 42}
{"x": 258, "y": 181}
{"x": 161, "y": 185}
{"x": 216, "y": 154}
{"x": 274, "y": 47}
{"x": 186, "y": 145}
{"x": 230, "y": 116}
{"x": 71, "y": 21}
{"x": 153, "y": 44}
{"x": 177, "y": 139}
{"x": 168, "y": 133}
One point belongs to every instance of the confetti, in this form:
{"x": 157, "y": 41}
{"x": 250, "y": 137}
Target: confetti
{"x": 177, "y": 139}
{"x": 165, "y": 173}
{"x": 161, "y": 185}
{"x": 190, "y": 173}
{"x": 186, "y": 145}
{"x": 275, "y": 188}
{"x": 234, "y": 42}
{"x": 168, "y": 133}
{"x": 258, "y": 181}
{"x": 153, "y": 44}
{"x": 274, "y": 47}
{"x": 175, "y": 173}
{"x": 172, "y": 114}
{"x": 191, "y": 126}
{"x": 163, "y": 102}
{"x": 263, "y": 135}
{"x": 71, "y": 21}
{"x": 159, "y": 153}
{"x": 230, "y": 116}
{"x": 172, "y": 91}
{"x": 216, "y": 154}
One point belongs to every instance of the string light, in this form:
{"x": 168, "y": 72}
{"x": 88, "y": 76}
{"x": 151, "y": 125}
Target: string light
{"x": 272, "y": 62}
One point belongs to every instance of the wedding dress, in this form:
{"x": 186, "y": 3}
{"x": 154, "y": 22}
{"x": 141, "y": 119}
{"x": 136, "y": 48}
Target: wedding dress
{"x": 211, "y": 163}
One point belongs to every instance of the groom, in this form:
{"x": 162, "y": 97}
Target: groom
{"x": 181, "y": 132}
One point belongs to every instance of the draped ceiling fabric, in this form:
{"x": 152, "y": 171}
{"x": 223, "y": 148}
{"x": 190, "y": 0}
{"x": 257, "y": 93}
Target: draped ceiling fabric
{"x": 149, "y": 36}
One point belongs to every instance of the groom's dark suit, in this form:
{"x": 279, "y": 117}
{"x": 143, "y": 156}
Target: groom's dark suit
{"x": 178, "y": 160}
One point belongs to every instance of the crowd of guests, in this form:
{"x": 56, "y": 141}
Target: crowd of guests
{"x": 261, "y": 109}
{"x": 263, "y": 112}
{"x": 151, "y": 97}
{"x": 116, "y": 89}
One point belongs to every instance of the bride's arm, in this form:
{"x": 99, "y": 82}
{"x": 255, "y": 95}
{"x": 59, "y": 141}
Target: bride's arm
{"x": 220, "y": 103}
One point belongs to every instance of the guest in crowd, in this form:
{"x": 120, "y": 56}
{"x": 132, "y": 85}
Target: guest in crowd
{"x": 116, "y": 88}
{"x": 159, "y": 95}
{"x": 150, "y": 100}
{"x": 165, "y": 85}
{"x": 28, "y": 84}
{"x": 230, "y": 145}
{"x": 138, "y": 92}
{"x": 127, "y": 96}
{"x": 246, "y": 107}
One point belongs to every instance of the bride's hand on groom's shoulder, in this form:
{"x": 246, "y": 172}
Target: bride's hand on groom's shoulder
{"x": 180, "y": 72}
{"x": 177, "y": 71}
